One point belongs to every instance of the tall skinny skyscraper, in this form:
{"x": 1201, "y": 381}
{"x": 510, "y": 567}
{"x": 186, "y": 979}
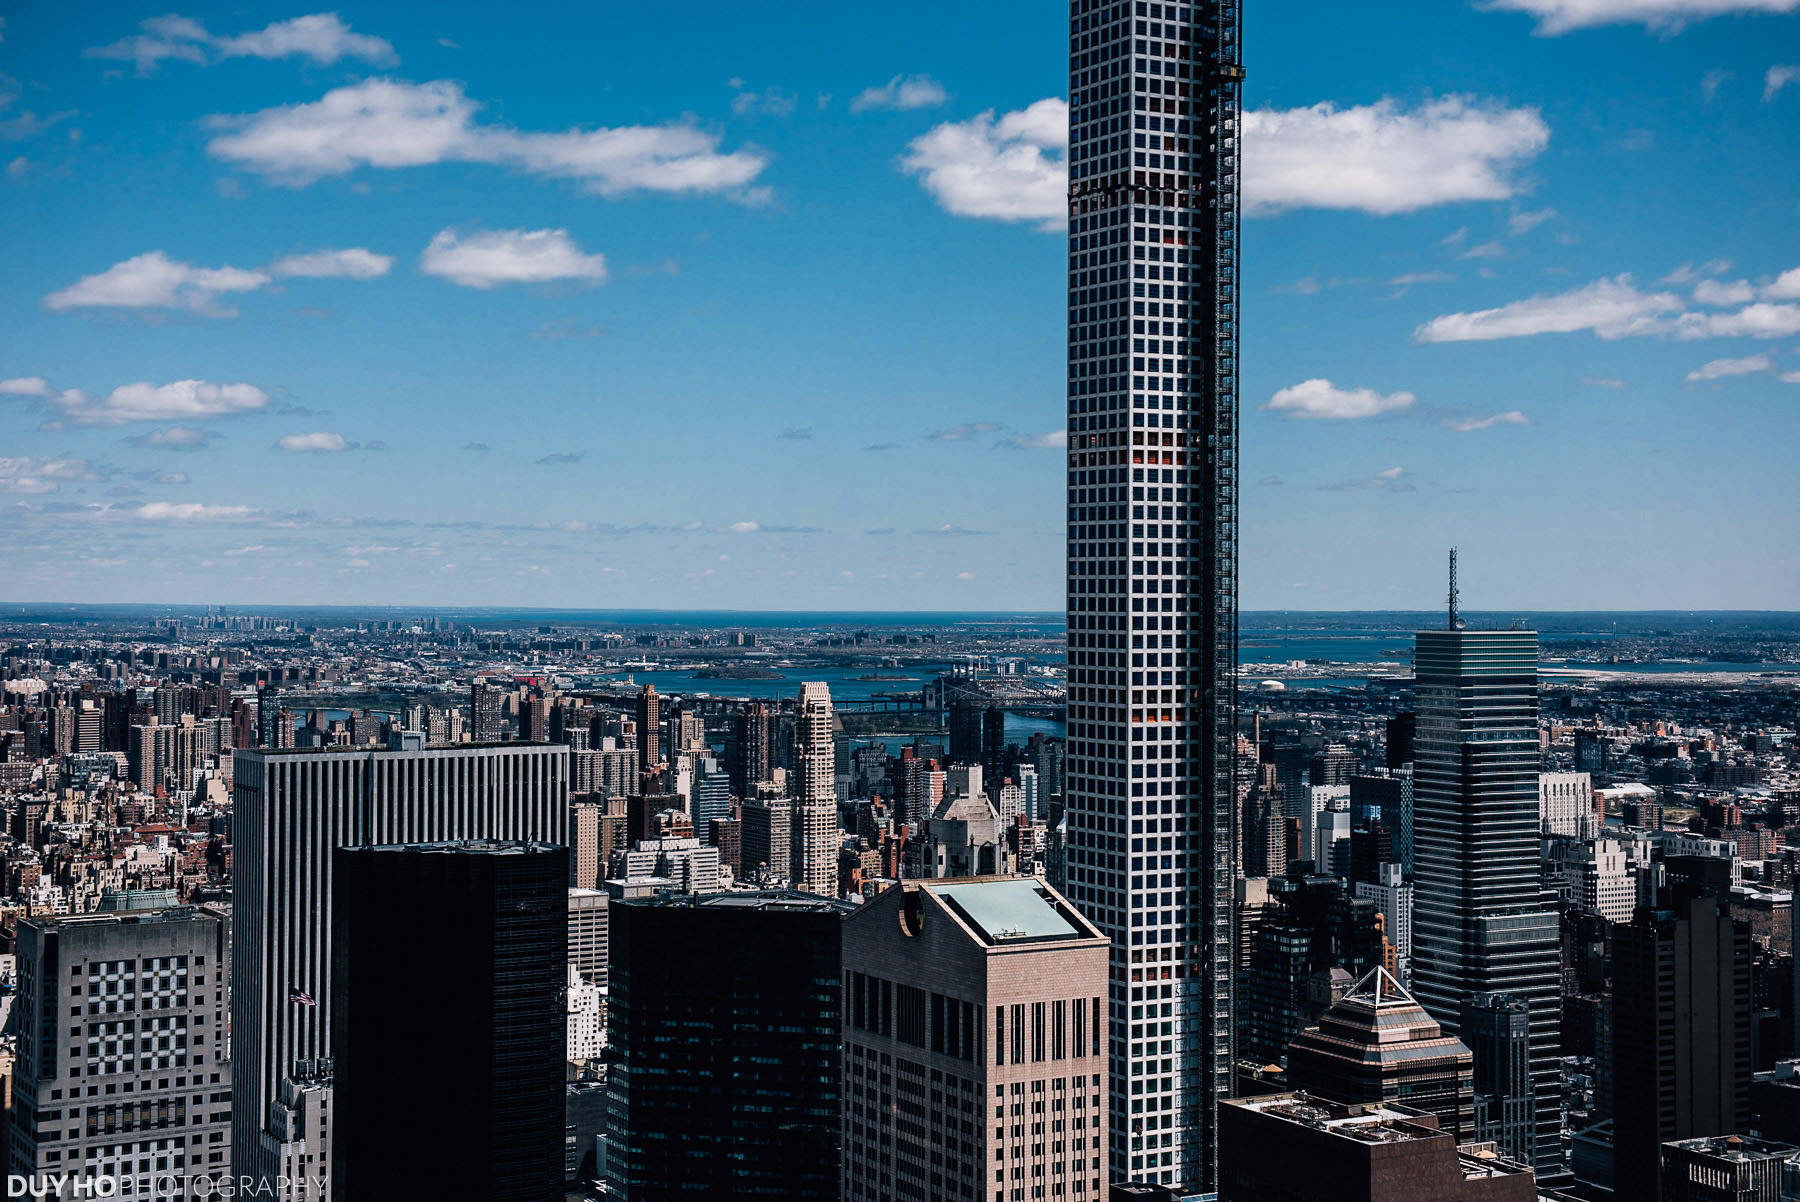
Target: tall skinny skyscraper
{"x": 1481, "y": 921}
{"x": 814, "y": 828}
{"x": 1155, "y": 91}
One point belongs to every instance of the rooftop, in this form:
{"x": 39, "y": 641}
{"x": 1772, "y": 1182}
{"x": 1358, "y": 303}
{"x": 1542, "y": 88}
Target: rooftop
{"x": 780, "y": 900}
{"x": 1008, "y": 910}
{"x": 1735, "y": 1148}
{"x": 469, "y": 847}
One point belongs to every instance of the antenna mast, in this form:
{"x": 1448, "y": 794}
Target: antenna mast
{"x": 1454, "y": 619}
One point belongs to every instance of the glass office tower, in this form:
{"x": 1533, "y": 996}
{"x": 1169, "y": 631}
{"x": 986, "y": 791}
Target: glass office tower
{"x": 1481, "y": 920}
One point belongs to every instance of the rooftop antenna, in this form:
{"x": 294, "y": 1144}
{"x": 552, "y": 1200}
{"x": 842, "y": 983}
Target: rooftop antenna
{"x": 1456, "y": 622}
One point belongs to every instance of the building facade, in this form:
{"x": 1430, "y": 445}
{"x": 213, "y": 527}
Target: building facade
{"x": 140, "y": 1085}
{"x": 1482, "y": 921}
{"x": 961, "y": 995}
{"x": 1497, "y": 1029}
{"x": 1152, "y": 556}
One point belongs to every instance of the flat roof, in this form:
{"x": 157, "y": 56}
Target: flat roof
{"x": 1007, "y": 911}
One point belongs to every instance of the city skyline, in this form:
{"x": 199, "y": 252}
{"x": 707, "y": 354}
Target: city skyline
{"x": 803, "y": 263}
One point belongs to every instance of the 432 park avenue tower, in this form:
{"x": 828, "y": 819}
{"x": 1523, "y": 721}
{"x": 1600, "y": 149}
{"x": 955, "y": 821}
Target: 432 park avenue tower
{"x": 1155, "y": 92}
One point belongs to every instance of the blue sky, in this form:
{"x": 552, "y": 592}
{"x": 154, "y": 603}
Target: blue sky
{"x": 761, "y": 306}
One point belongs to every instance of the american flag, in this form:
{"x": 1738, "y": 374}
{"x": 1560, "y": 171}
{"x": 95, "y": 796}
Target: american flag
{"x": 299, "y": 995}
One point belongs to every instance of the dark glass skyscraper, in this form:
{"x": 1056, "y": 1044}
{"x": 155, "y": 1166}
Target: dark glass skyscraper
{"x": 1482, "y": 922}
{"x": 1154, "y": 94}
{"x": 456, "y": 955}
{"x": 726, "y": 1043}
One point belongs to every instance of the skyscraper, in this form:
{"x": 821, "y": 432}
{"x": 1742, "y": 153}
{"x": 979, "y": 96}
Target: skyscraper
{"x": 1482, "y": 921}
{"x": 750, "y": 761}
{"x": 1378, "y": 1045}
{"x": 649, "y": 728}
{"x": 1680, "y": 1010}
{"x": 1152, "y": 555}
{"x": 726, "y": 1045}
{"x": 814, "y": 830}
{"x": 485, "y": 923}
{"x": 486, "y": 723}
{"x": 293, "y": 809}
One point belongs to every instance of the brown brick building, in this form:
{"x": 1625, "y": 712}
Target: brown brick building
{"x": 975, "y": 1041}
{"x": 1294, "y": 1148}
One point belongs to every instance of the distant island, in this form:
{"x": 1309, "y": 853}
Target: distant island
{"x": 879, "y": 676}
{"x": 740, "y": 672}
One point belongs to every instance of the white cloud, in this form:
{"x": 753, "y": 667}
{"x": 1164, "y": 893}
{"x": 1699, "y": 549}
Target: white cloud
{"x": 322, "y": 38}
{"x": 355, "y": 263}
{"x": 1393, "y": 479}
{"x": 1012, "y": 168}
{"x": 1785, "y": 287}
{"x": 1790, "y": 377}
{"x": 34, "y": 476}
{"x": 1524, "y": 223}
{"x": 1321, "y": 399}
{"x": 191, "y": 511}
{"x": 1778, "y": 77}
{"x": 1718, "y": 369}
{"x": 771, "y": 101}
{"x": 1616, "y": 308}
{"x": 1469, "y": 424}
{"x": 1049, "y": 440}
{"x": 1421, "y": 277}
{"x": 1562, "y": 16}
{"x": 744, "y": 527}
{"x": 183, "y": 400}
{"x": 1612, "y": 308}
{"x": 1713, "y": 80}
{"x": 33, "y": 386}
{"x": 390, "y": 123}
{"x": 155, "y": 281}
{"x": 962, "y": 432}
{"x": 483, "y": 260}
{"x": 323, "y": 441}
{"x": 175, "y": 438}
{"x": 1687, "y": 273}
{"x": 1717, "y": 292}
{"x": 901, "y": 92}
{"x": 1752, "y": 321}
{"x": 1380, "y": 159}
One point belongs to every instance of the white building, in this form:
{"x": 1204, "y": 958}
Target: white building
{"x": 1393, "y": 897}
{"x": 689, "y": 863}
{"x": 815, "y": 828}
{"x": 1595, "y": 874}
{"x": 587, "y": 1019}
{"x": 1566, "y": 804}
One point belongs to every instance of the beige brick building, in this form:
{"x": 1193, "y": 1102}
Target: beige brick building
{"x": 975, "y": 1037}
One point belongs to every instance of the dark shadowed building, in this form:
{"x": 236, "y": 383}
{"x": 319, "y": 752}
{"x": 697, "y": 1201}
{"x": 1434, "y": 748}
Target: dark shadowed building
{"x": 450, "y": 955}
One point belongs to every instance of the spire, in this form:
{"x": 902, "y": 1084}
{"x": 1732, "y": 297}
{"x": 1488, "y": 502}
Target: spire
{"x": 1455, "y": 618}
